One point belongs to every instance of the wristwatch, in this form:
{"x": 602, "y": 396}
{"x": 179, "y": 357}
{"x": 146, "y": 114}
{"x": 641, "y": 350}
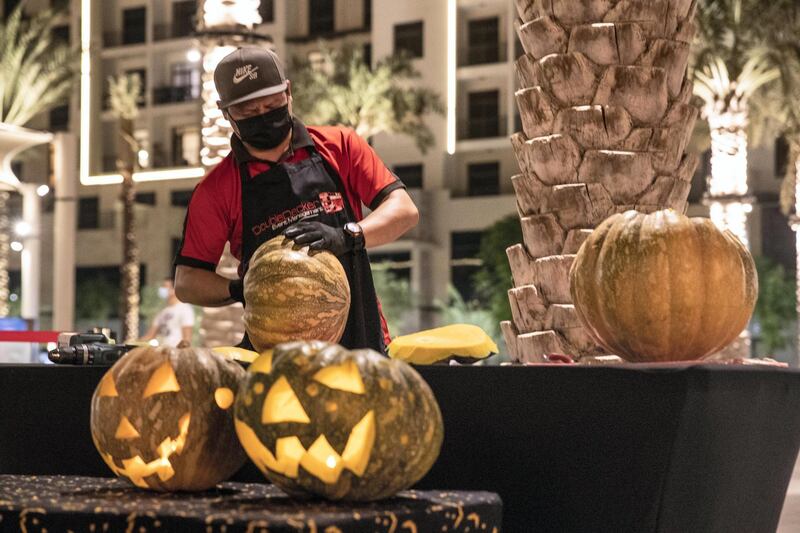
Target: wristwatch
{"x": 355, "y": 232}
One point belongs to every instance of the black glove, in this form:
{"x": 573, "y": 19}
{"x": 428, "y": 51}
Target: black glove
{"x": 236, "y": 290}
{"x": 318, "y": 236}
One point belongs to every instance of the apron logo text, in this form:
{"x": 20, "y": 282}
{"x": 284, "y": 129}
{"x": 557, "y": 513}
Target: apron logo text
{"x": 290, "y": 216}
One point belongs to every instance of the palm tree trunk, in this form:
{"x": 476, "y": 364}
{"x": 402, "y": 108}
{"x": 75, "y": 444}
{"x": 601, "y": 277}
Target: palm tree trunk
{"x": 4, "y": 252}
{"x": 606, "y": 115}
{"x": 129, "y": 269}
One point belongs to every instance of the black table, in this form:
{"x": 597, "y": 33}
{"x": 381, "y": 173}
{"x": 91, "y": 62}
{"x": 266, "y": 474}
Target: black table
{"x": 73, "y": 503}
{"x": 679, "y": 448}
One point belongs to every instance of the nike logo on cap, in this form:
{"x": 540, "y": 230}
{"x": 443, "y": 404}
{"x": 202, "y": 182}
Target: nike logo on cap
{"x": 242, "y": 73}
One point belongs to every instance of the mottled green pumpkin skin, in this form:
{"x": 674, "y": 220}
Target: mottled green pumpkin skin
{"x": 409, "y": 428}
{"x": 293, "y": 295}
{"x": 211, "y": 452}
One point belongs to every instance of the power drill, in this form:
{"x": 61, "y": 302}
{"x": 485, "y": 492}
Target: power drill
{"x": 95, "y": 347}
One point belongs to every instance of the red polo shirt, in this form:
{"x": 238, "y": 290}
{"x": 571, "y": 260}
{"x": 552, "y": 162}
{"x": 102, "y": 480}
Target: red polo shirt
{"x": 214, "y": 216}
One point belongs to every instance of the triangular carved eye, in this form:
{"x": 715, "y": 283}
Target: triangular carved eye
{"x": 162, "y": 380}
{"x": 107, "y": 387}
{"x": 125, "y": 430}
{"x": 345, "y": 377}
{"x": 283, "y": 405}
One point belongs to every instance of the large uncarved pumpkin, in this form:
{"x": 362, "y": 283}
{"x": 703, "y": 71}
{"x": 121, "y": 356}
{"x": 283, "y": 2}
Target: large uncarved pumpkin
{"x": 162, "y": 418}
{"x": 293, "y": 295}
{"x": 318, "y": 419}
{"x": 663, "y": 287}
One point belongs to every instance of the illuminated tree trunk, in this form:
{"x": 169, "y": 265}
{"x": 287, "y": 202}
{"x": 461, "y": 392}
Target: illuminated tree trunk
{"x": 727, "y": 195}
{"x": 5, "y": 239}
{"x": 129, "y": 271}
{"x": 221, "y": 326}
{"x": 727, "y": 186}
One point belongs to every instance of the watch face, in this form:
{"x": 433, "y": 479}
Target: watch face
{"x": 353, "y": 229}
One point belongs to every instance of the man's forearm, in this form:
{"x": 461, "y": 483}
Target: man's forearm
{"x": 201, "y": 287}
{"x": 391, "y": 220}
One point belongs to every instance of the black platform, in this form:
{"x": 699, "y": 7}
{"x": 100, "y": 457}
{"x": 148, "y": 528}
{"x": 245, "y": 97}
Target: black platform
{"x": 674, "y": 449}
{"x": 73, "y": 503}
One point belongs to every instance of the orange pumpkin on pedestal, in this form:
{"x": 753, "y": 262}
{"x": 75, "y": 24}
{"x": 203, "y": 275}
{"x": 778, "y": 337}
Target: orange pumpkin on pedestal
{"x": 663, "y": 287}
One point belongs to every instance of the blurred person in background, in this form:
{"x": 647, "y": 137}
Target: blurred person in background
{"x": 173, "y": 325}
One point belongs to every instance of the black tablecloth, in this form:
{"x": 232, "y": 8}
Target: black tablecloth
{"x": 673, "y": 449}
{"x": 71, "y": 503}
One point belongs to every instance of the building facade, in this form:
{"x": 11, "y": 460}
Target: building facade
{"x": 463, "y": 49}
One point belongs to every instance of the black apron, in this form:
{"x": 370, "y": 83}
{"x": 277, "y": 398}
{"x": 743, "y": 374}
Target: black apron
{"x": 312, "y": 190}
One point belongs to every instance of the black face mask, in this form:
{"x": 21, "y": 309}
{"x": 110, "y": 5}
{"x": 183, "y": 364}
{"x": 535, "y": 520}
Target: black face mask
{"x": 265, "y": 131}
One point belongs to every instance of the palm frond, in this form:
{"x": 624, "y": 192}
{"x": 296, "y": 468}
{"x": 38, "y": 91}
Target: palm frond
{"x": 36, "y": 72}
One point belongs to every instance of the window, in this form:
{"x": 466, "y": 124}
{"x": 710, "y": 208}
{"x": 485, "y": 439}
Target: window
{"x": 410, "y": 175}
{"x": 267, "y": 11}
{"x": 58, "y": 4}
{"x": 484, "y": 114}
{"x": 89, "y": 212}
{"x": 484, "y": 41}
{"x": 59, "y": 118}
{"x": 367, "y": 14}
{"x": 408, "y": 39}
{"x": 133, "y": 25}
{"x": 368, "y": 54}
{"x": 180, "y": 198}
{"x": 781, "y": 157}
{"x": 185, "y": 146}
{"x": 146, "y": 198}
{"x": 484, "y": 179}
{"x": 320, "y": 17}
{"x": 61, "y": 34}
{"x": 464, "y": 263}
{"x": 183, "y": 15}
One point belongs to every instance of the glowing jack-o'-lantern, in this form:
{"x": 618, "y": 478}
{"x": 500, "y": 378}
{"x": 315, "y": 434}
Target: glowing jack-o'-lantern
{"x": 318, "y": 419}
{"x": 162, "y": 418}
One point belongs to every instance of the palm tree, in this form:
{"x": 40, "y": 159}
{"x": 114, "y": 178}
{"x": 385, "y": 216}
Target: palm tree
{"x": 36, "y": 73}
{"x": 735, "y": 61}
{"x": 125, "y": 92}
{"x": 338, "y": 87}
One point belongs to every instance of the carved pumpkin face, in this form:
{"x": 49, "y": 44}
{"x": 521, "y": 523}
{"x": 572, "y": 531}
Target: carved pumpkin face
{"x": 162, "y": 418}
{"x": 318, "y": 419}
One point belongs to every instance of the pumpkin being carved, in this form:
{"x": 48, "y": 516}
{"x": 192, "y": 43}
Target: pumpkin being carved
{"x": 162, "y": 418}
{"x": 663, "y": 287}
{"x": 293, "y": 295}
{"x": 318, "y": 419}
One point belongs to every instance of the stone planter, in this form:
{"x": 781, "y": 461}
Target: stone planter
{"x": 606, "y": 115}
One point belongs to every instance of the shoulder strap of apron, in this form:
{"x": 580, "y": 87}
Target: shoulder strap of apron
{"x": 337, "y": 180}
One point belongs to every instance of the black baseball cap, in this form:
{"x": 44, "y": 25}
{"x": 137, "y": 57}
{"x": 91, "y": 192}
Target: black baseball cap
{"x": 246, "y": 73}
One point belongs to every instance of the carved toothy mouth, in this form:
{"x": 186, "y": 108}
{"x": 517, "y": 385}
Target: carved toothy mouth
{"x": 136, "y": 469}
{"x": 320, "y": 459}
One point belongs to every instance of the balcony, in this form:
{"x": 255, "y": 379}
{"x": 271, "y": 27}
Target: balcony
{"x": 175, "y": 95}
{"x": 483, "y": 54}
{"x": 131, "y": 36}
{"x": 482, "y": 128}
{"x": 164, "y": 32}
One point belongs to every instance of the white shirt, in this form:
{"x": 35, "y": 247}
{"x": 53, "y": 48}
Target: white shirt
{"x": 169, "y": 322}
